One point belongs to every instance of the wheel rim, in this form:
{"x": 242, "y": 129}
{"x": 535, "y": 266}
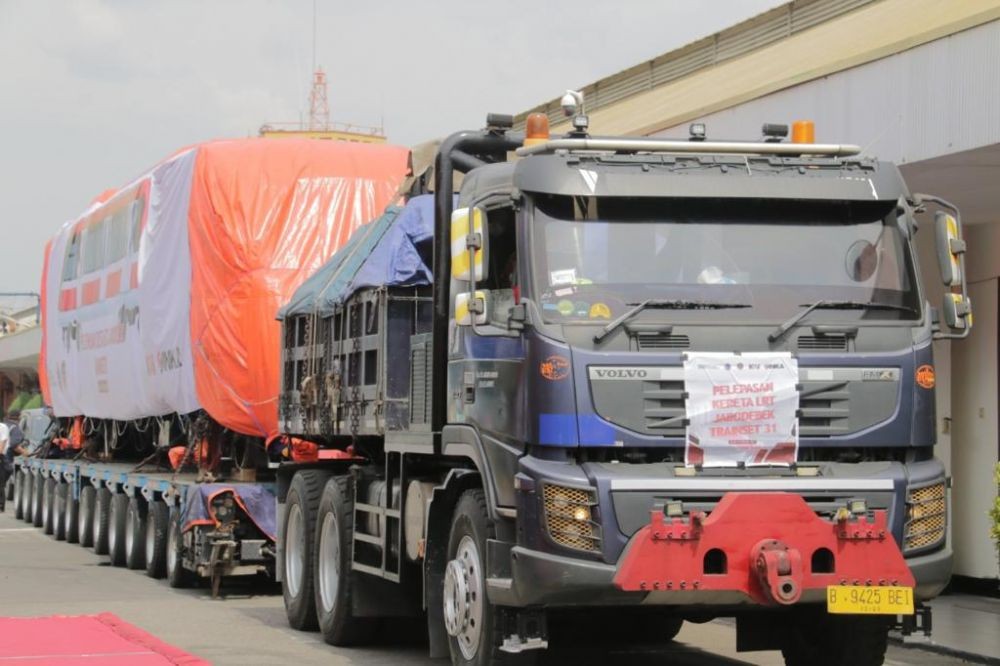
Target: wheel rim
{"x": 98, "y": 510}
{"x": 295, "y": 550}
{"x": 129, "y": 532}
{"x": 46, "y": 504}
{"x": 81, "y": 517}
{"x": 463, "y": 597}
{"x": 329, "y": 562}
{"x": 172, "y": 550}
{"x": 150, "y": 538}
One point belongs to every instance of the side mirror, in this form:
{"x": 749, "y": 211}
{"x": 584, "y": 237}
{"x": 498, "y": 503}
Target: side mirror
{"x": 471, "y": 308}
{"x": 468, "y": 245}
{"x": 957, "y": 311}
{"x": 950, "y": 247}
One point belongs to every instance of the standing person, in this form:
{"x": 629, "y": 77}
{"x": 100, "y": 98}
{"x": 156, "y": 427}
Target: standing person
{"x": 11, "y": 439}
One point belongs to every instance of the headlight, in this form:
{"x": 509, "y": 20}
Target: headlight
{"x": 926, "y": 517}
{"x": 224, "y": 508}
{"x": 568, "y": 517}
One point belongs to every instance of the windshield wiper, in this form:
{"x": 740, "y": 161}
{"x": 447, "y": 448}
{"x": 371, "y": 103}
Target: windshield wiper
{"x": 666, "y": 304}
{"x": 832, "y": 305}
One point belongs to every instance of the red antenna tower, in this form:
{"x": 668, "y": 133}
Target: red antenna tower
{"x": 319, "y": 109}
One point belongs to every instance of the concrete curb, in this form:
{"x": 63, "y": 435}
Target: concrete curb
{"x": 945, "y": 650}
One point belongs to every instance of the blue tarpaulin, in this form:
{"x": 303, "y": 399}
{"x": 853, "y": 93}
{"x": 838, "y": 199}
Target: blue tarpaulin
{"x": 258, "y": 501}
{"x": 394, "y": 250}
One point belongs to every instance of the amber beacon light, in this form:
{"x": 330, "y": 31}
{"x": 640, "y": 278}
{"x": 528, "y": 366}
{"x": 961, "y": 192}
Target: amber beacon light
{"x": 536, "y": 129}
{"x": 803, "y": 131}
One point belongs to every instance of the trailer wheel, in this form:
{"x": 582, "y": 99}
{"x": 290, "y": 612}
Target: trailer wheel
{"x": 135, "y": 534}
{"x": 49, "y": 506}
{"x": 102, "y": 518}
{"x": 85, "y": 516}
{"x": 116, "y": 529}
{"x": 301, "y": 504}
{"x": 177, "y": 575}
{"x": 332, "y": 567}
{"x": 10, "y": 486}
{"x": 38, "y": 494}
{"x": 28, "y": 496}
{"x": 71, "y": 524}
{"x": 157, "y": 524}
{"x": 818, "y": 638}
{"x": 18, "y": 494}
{"x": 469, "y": 618}
{"x": 59, "y": 512}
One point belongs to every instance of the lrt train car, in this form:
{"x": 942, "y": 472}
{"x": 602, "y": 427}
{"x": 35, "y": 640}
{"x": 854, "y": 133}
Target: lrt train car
{"x": 159, "y": 336}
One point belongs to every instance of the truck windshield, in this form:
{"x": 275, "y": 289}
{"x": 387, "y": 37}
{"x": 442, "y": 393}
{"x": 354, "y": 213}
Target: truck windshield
{"x": 594, "y": 258}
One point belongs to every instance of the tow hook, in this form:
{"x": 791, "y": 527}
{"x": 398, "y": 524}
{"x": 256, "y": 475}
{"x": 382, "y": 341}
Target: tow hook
{"x": 779, "y": 570}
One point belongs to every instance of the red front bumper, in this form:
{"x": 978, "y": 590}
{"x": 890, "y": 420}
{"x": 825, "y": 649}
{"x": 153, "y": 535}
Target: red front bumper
{"x": 769, "y": 546}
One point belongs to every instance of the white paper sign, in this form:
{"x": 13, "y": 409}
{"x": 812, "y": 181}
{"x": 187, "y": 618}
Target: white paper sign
{"x": 741, "y": 408}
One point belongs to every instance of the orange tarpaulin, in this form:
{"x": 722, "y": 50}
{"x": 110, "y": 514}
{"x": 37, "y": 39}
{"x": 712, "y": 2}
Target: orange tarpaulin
{"x": 263, "y": 217}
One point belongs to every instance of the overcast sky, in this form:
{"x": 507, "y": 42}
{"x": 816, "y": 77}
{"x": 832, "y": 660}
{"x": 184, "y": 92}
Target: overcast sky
{"x": 93, "y": 92}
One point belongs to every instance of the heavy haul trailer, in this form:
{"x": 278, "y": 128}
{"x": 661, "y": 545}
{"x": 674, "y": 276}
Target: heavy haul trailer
{"x": 656, "y": 380}
{"x": 168, "y": 524}
{"x": 159, "y": 341}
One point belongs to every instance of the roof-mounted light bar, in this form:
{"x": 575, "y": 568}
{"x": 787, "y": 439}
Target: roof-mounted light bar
{"x": 675, "y": 146}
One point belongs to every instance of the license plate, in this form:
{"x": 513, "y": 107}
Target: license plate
{"x": 869, "y": 600}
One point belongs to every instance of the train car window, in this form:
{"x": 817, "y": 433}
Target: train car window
{"x": 118, "y": 235}
{"x": 93, "y": 246}
{"x": 72, "y": 257}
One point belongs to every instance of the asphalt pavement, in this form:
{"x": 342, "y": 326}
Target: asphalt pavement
{"x": 40, "y": 576}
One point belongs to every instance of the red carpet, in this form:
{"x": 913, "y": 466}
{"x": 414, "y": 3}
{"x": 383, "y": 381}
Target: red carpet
{"x": 84, "y": 639}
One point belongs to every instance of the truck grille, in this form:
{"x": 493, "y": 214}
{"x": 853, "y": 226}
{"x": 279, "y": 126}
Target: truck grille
{"x": 822, "y": 342}
{"x": 824, "y": 408}
{"x": 648, "y": 342}
{"x": 926, "y": 514}
{"x": 663, "y": 407}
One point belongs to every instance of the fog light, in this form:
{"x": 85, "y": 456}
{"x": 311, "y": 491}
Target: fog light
{"x": 858, "y": 507}
{"x": 926, "y": 517}
{"x": 568, "y": 517}
{"x": 673, "y": 509}
{"x": 581, "y": 513}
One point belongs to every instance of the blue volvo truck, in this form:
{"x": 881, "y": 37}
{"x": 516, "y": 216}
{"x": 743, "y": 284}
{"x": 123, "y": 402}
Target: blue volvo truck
{"x": 589, "y": 386}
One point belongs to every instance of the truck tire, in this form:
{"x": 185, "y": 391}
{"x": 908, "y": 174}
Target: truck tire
{"x": 818, "y": 638}
{"x": 71, "y": 523}
{"x": 85, "y": 516}
{"x": 177, "y": 575}
{"x": 18, "y": 494}
{"x": 135, "y": 534}
{"x": 59, "y": 512}
{"x": 28, "y": 497}
{"x": 38, "y": 495}
{"x": 157, "y": 524}
{"x": 470, "y": 619}
{"x": 301, "y": 506}
{"x": 49, "y": 506}
{"x": 102, "y": 516}
{"x": 116, "y": 529}
{"x": 332, "y": 567}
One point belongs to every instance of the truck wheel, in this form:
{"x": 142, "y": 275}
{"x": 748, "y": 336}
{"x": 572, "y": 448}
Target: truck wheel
{"x": 48, "y": 506}
{"x": 332, "y": 572}
{"x": 71, "y": 524}
{"x": 18, "y": 494}
{"x": 38, "y": 493}
{"x": 157, "y": 524}
{"x": 102, "y": 517}
{"x": 177, "y": 575}
{"x": 821, "y": 639}
{"x": 28, "y": 497}
{"x": 469, "y": 618}
{"x": 59, "y": 512}
{"x": 85, "y": 516}
{"x": 301, "y": 504}
{"x": 135, "y": 534}
{"x": 116, "y": 529}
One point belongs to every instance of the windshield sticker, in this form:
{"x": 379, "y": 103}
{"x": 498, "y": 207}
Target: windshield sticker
{"x": 600, "y": 311}
{"x": 554, "y": 368}
{"x": 741, "y": 409}
{"x": 565, "y": 307}
{"x": 562, "y": 277}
